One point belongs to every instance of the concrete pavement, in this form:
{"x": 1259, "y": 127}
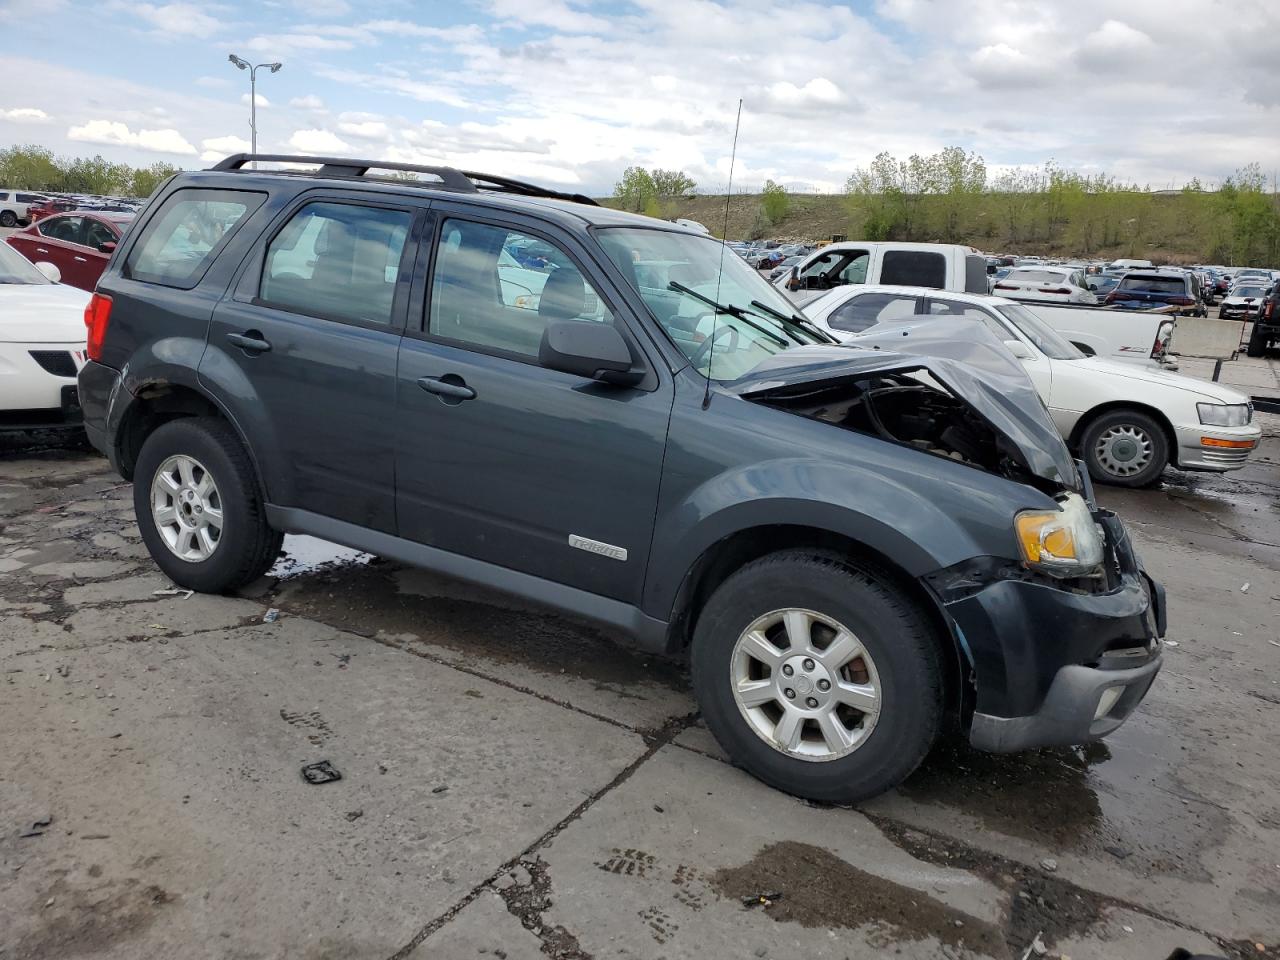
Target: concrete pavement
{"x": 516, "y": 784}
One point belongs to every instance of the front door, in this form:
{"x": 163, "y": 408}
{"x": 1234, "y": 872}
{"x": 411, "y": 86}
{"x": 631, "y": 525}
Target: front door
{"x": 312, "y": 332}
{"x": 505, "y": 461}
{"x": 56, "y": 241}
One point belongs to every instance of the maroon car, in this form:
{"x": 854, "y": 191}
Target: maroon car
{"x": 79, "y": 244}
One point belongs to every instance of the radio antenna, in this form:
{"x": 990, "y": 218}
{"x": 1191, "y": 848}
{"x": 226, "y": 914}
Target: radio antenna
{"x": 724, "y": 239}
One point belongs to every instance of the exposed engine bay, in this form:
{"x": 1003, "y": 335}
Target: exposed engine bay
{"x": 903, "y": 409}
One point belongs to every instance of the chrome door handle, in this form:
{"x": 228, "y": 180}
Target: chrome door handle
{"x": 41, "y": 250}
{"x": 80, "y": 259}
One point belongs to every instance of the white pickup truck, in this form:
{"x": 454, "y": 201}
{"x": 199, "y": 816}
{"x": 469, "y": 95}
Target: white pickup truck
{"x": 1131, "y": 335}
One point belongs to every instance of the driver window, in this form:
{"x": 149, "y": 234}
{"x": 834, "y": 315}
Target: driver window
{"x": 868, "y": 309}
{"x": 835, "y": 269}
{"x": 96, "y": 233}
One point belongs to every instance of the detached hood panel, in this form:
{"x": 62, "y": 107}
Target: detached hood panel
{"x": 961, "y": 354}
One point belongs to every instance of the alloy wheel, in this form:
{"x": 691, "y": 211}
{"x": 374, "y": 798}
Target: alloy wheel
{"x": 187, "y": 508}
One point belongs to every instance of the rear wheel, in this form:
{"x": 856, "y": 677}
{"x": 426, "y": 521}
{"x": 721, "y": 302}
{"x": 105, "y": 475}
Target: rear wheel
{"x": 1257, "y": 343}
{"x": 1125, "y": 448}
{"x": 819, "y": 677}
{"x": 198, "y": 507}
{"x": 8, "y": 218}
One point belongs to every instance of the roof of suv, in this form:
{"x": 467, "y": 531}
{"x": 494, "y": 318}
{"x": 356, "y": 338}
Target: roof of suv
{"x": 453, "y": 184}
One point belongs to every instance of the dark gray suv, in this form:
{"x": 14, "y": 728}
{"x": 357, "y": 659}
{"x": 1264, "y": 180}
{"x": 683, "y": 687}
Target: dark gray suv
{"x": 617, "y": 417}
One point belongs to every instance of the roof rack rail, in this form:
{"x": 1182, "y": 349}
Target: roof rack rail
{"x": 467, "y": 181}
{"x": 340, "y": 167}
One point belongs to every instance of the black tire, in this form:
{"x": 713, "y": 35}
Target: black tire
{"x": 8, "y": 218}
{"x": 1257, "y": 344}
{"x": 247, "y": 546}
{"x": 893, "y": 631}
{"x": 1140, "y": 423}
{"x": 1222, "y": 314}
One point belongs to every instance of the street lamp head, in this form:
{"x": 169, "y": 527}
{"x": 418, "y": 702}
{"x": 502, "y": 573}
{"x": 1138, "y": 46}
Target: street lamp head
{"x": 242, "y": 64}
{"x": 275, "y": 67}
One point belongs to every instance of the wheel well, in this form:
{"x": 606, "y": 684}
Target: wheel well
{"x": 1077, "y": 432}
{"x": 722, "y": 558}
{"x": 157, "y": 404}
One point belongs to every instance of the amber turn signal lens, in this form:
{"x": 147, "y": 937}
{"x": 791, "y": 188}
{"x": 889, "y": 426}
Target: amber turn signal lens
{"x": 1230, "y": 444}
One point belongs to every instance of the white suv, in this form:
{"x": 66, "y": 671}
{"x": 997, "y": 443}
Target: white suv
{"x": 14, "y": 205}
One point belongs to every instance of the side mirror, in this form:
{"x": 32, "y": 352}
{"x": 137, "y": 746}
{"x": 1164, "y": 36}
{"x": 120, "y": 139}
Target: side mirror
{"x": 1019, "y": 349}
{"x": 587, "y": 349}
{"x": 107, "y": 247}
{"x": 50, "y": 271}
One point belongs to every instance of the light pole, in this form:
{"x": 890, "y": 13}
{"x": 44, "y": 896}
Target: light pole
{"x": 253, "y": 96}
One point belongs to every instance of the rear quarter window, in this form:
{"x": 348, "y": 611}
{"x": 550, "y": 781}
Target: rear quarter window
{"x": 186, "y": 235}
{"x": 916, "y": 268}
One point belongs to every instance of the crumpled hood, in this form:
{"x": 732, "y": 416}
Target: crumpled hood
{"x": 42, "y": 313}
{"x": 962, "y": 354}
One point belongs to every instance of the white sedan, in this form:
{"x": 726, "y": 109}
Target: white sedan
{"x": 1127, "y": 422}
{"x": 42, "y": 345}
{"x": 1051, "y": 284}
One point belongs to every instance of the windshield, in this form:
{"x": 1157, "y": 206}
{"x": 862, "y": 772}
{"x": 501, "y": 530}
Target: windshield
{"x": 1048, "y": 340}
{"x": 1154, "y": 285}
{"x": 676, "y": 273}
{"x": 15, "y": 268}
{"x": 1247, "y": 292}
{"x": 1039, "y": 276}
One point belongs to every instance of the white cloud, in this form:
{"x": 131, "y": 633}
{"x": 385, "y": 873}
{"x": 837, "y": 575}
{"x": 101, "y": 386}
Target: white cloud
{"x": 212, "y": 83}
{"x": 25, "y": 115}
{"x": 115, "y": 133}
{"x": 556, "y": 14}
{"x": 176, "y": 19}
{"x": 324, "y": 8}
{"x": 318, "y": 142}
{"x": 224, "y": 146}
{"x": 262, "y": 102}
{"x": 309, "y": 102}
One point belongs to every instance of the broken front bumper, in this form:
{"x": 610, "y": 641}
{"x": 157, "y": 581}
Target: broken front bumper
{"x": 1056, "y": 665}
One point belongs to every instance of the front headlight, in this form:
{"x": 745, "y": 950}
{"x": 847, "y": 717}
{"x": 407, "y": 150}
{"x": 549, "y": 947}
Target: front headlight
{"x": 1223, "y": 414}
{"x": 1064, "y": 542}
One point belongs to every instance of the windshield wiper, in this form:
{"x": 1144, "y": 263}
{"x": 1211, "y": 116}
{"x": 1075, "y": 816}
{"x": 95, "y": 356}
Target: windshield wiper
{"x": 736, "y": 312}
{"x": 795, "y": 320}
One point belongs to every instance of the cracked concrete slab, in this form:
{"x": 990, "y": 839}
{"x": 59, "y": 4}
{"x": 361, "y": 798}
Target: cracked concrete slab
{"x": 182, "y": 759}
{"x": 483, "y": 929}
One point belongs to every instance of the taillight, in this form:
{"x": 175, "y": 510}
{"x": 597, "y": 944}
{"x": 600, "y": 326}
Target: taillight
{"x": 1182, "y": 301}
{"x": 96, "y": 317}
{"x": 1111, "y": 298}
{"x": 1269, "y": 309}
{"x": 1062, "y": 290}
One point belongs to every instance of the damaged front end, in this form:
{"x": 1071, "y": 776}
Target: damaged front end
{"x": 1061, "y": 630}
{"x": 987, "y": 416}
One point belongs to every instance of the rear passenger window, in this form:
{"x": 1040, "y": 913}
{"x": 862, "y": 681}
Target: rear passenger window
{"x": 915, "y": 268}
{"x": 186, "y": 234}
{"x": 339, "y": 261}
{"x": 867, "y": 310}
{"x": 499, "y": 289}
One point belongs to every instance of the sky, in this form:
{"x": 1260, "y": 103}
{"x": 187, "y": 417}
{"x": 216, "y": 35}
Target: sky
{"x": 571, "y": 92}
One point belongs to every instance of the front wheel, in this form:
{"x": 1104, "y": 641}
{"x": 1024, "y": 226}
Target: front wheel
{"x": 196, "y": 499}
{"x": 1125, "y": 448}
{"x": 817, "y": 676}
{"x": 1257, "y": 344}
{"x": 8, "y": 218}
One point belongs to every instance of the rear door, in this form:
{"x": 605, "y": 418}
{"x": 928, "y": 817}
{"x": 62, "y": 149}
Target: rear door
{"x": 56, "y": 241}
{"x": 502, "y": 460}
{"x": 92, "y": 259}
{"x": 310, "y": 335}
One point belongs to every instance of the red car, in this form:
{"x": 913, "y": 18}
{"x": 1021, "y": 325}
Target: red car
{"x": 38, "y": 211}
{"x": 79, "y": 244}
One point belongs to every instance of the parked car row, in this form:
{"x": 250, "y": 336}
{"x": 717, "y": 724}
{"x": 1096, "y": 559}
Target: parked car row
{"x": 78, "y": 244}
{"x": 20, "y": 208}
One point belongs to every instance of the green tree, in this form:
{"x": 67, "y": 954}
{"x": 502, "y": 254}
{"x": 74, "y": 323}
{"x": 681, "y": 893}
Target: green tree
{"x": 635, "y": 189}
{"x": 774, "y": 202}
{"x": 671, "y": 183}
{"x": 144, "y": 180}
{"x": 30, "y": 167}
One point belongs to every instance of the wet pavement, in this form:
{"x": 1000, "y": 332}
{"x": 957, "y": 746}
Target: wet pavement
{"x": 517, "y": 784}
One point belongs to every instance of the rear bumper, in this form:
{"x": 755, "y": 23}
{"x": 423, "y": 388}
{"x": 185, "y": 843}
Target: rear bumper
{"x": 98, "y": 386}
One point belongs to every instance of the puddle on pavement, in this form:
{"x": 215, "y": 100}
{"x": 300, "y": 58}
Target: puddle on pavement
{"x": 1119, "y": 798}
{"x": 302, "y": 554}
{"x": 369, "y": 596}
{"x": 818, "y": 889}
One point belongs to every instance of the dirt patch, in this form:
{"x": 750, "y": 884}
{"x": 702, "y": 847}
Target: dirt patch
{"x": 818, "y": 889}
{"x": 78, "y": 921}
{"x": 526, "y": 891}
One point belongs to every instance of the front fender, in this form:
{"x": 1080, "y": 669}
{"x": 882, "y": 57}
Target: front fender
{"x": 921, "y": 527}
